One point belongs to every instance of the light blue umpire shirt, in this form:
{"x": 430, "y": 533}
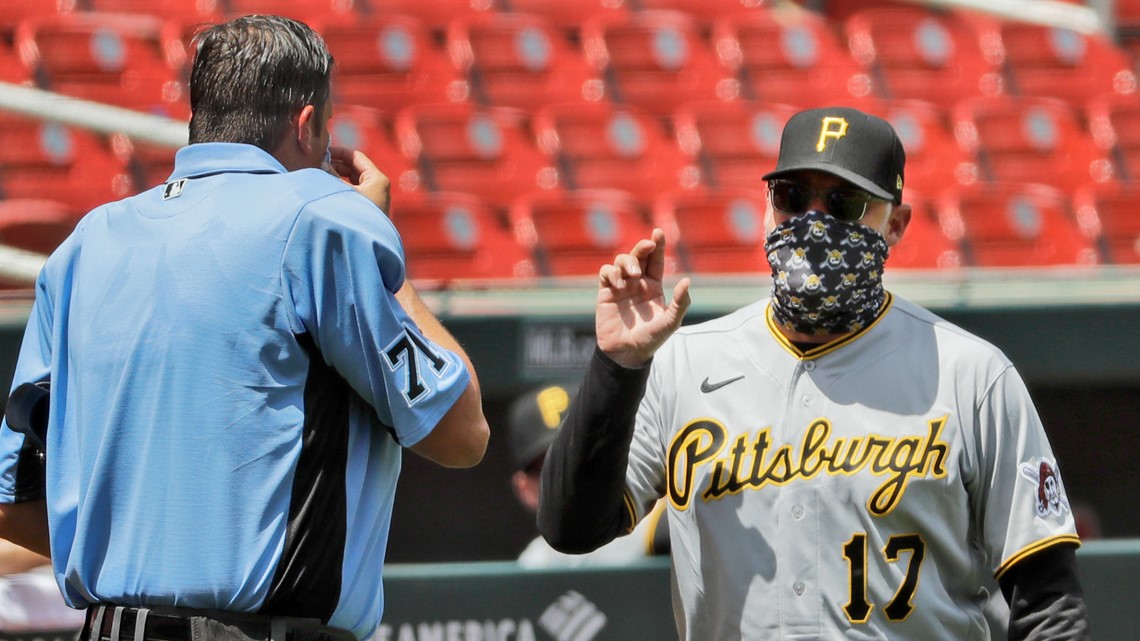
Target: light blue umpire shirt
{"x": 232, "y": 380}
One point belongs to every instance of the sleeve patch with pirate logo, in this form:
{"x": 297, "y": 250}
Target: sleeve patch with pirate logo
{"x": 1050, "y": 494}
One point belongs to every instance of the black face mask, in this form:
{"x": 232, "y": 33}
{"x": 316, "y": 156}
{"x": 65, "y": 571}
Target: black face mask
{"x": 827, "y": 274}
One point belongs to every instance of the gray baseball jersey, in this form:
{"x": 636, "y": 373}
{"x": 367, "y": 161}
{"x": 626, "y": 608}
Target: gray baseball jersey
{"x": 867, "y": 489}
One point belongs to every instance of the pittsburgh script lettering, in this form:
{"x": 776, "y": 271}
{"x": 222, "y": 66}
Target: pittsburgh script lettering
{"x": 752, "y": 462}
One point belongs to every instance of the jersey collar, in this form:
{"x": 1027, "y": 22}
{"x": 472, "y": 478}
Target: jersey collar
{"x": 206, "y": 158}
{"x": 824, "y": 348}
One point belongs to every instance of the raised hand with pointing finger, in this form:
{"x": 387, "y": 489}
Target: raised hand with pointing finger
{"x": 632, "y": 318}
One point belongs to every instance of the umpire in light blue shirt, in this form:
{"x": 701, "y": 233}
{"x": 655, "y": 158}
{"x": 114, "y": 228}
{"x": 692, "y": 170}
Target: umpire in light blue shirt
{"x": 219, "y": 374}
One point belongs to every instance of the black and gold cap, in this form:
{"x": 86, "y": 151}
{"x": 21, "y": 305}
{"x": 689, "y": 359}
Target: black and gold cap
{"x": 534, "y": 420}
{"x": 860, "y": 148}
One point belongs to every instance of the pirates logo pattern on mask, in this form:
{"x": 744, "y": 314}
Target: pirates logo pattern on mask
{"x": 827, "y": 274}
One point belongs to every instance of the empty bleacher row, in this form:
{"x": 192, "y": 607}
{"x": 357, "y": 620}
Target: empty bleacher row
{"x": 529, "y": 138}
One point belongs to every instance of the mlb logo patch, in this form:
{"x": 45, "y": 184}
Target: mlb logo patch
{"x": 173, "y": 189}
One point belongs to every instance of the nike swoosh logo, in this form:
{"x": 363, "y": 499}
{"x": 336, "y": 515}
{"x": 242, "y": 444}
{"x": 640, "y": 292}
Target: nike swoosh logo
{"x": 707, "y": 387}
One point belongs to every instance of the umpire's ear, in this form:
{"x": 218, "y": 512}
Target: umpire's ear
{"x": 308, "y": 129}
{"x": 302, "y": 147}
{"x": 27, "y": 412}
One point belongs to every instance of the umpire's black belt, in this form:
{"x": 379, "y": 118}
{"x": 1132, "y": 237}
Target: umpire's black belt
{"x": 124, "y": 623}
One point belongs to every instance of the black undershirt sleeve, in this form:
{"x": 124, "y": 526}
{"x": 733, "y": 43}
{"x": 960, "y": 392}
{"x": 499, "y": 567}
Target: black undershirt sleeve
{"x": 582, "y": 504}
{"x": 1046, "y": 602}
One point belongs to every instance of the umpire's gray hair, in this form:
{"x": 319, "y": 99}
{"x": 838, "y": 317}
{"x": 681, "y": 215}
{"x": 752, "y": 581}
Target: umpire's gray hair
{"x": 252, "y": 75}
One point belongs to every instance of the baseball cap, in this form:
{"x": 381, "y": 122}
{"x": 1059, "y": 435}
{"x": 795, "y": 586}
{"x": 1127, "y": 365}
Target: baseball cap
{"x": 860, "y": 148}
{"x": 534, "y": 419}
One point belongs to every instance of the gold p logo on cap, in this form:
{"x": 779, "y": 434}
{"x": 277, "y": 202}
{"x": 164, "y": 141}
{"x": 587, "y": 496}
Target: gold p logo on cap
{"x": 553, "y": 403}
{"x": 830, "y": 127}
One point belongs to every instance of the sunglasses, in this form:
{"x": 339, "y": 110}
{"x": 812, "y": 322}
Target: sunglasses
{"x": 794, "y": 198}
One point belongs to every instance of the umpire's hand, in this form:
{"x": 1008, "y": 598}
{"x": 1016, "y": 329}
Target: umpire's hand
{"x": 359, "y": 171}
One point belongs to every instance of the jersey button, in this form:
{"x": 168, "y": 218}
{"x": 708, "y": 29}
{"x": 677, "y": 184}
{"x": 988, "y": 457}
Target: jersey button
{"x": 806, "y": 400}
{"x": 798, "y": 588}
{"x": 809, "y": 366}
{"x": 798, "y": 512}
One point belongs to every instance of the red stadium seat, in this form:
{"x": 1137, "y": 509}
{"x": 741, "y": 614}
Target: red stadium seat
{"x": 520, "y": 60}
{"x": 600, "y": 146}
{"x": 934, "y": 159}
{"x": 180, "y": 37}
{"x": 655, "y": 60}
{"x": 372, "y": 132}
{"x": 449, "y": 236}
{"x": 35, "y": 224}
{"x": 120, "y": 59}
{"x": 184, "y": 11}
{"x": 789, "y": 57}
{"x": 12, "y": 68}
{"x": 920, "y": 53}
{"x": 924, "y": 245}
{"x": 433, "y": 14}
{"x": 1127, "y": 13}
{"x": 488, "y": 151}
{"x": 303, "y": 10}
{"x": 388, "y": 62}
{"x": 1114, "y": 121}
{"x": 1030, "y": 140}
{"x": 1109, "y": 213}
{"x": 715, "y": 231}
{"x": 50, "y": 160}
{"x": 838, "y": 11}
{"x": 1015, "y": 225}
{"x": 703, "y": 10}
{"x": 12, "y": 12}
{"x": 733, "y": 143}
{"x": 1062, "y": 63}
{"x": 147, "y": 164}
{"x": 569, "y": 15}
{"x": 575, "y": 233}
